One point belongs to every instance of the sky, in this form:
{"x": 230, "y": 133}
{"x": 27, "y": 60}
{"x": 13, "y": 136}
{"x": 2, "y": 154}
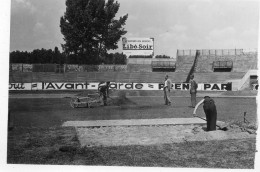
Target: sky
{"x": 174, "y": 24}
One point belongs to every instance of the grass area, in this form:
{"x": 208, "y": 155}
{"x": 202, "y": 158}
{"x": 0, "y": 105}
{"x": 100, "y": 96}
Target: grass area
{"x": 60, "y": 146}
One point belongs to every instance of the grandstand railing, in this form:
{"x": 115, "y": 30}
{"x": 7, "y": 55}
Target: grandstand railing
{"x": 216, "y": 52}
{"x": 147, "y": 61}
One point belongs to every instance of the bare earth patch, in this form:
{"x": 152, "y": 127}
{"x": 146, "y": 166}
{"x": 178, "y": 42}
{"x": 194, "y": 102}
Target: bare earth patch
{"x": 150, "y": 135}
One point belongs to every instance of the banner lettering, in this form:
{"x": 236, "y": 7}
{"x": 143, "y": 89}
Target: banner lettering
{"x": 118, "y": 86}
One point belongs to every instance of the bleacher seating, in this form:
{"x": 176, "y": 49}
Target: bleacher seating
{"x": 184, "y": 64}
{"x": 245, "y": 62}
{"x": 204, "y": 71}
{"x": 139, "y": 68}
{"x": 217, "y": 77}
{"x": 241, "y": 63}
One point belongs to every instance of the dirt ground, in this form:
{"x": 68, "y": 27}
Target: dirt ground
{"x": 161, "y": 134}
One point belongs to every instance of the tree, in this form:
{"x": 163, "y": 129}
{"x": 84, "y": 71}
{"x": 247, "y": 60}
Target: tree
{"x": 116, "y": 58}
{"x": 89, "y": 28}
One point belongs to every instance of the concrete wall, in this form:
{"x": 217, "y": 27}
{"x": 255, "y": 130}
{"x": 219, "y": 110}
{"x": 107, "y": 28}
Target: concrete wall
{"x": 147, "y": 61}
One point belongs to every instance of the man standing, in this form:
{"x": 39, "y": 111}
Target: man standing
{"x": 193, "y": 90}
{"x": 210, "y": 111}
{"x": 103, "y": 90}
{"x": 166, "y": 90}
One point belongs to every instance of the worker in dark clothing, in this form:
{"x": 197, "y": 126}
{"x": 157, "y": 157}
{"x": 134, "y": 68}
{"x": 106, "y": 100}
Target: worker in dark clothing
{"x": 210, "y": 111}
{"x": 103, "y": 90}
{"x": 193, "y": 90}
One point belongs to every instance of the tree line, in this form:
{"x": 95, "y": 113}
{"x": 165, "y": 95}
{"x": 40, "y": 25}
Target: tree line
{"x": 49, "y": 56}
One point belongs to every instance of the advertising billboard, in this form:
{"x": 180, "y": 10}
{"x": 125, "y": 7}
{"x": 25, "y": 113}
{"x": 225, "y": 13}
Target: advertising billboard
{"x": 117, "y": 86}
{"x": 138, "y": 46}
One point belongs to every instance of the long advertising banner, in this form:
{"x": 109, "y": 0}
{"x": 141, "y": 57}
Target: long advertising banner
{"x": 116, "y": 85}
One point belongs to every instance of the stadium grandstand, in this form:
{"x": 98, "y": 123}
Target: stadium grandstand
{"x": 209, "y": 66}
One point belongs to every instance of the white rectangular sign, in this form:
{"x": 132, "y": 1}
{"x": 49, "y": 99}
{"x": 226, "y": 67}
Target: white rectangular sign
{"x": 138, "y": 46}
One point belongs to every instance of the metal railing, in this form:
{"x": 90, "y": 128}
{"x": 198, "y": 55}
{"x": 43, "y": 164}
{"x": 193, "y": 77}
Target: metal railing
{"x": 216, "y": 52}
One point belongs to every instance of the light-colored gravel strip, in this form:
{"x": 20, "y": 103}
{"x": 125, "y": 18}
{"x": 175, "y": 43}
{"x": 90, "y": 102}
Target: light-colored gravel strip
{"x": 135, "y": 122}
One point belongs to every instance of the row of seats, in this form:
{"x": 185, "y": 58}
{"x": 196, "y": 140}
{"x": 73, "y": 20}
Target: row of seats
{"x": 240, "y": 63}
{"x": 217, "y": 77}
{"x": 149, "y": 77}
{"x": 184, "y": 64}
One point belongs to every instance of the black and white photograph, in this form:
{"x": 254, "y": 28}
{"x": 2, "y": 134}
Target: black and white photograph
{"x": 129, "y": 84}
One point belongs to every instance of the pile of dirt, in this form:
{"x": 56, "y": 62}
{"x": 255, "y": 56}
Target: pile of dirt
{"x": 240, "y": 126}
{"x": 120, "y": 100}
{"x": 86, "y": 93}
